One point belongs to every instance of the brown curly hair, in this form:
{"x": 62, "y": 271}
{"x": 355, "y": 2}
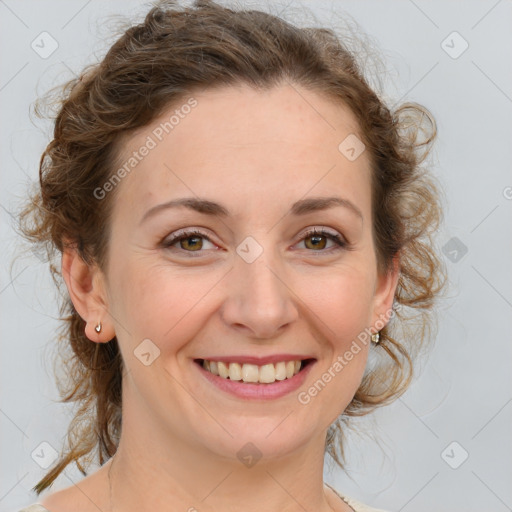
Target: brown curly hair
{"x": 156, "y": 63}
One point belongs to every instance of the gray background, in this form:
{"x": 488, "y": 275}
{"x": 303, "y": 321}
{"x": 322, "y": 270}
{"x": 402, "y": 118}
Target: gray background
{"x": 463, "y": 395}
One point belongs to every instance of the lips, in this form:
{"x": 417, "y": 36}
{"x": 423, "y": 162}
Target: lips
{"x": 239, "y": 376}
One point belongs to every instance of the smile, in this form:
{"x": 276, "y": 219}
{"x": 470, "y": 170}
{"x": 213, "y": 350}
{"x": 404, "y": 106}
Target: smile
{"x": 252, "y": 373}
{"x": 253, "y": 378}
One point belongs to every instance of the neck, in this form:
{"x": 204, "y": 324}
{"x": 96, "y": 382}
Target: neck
{"x": 154, "y": 471}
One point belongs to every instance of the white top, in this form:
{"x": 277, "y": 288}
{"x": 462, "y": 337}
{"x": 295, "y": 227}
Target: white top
{"x": 355, "y": 505}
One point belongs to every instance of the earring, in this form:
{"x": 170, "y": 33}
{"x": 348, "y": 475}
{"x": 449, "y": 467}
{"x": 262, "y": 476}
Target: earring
{"x": 98, "y": 328}
{"x": 376, "y": 337}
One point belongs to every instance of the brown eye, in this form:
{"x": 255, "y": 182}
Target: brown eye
{"x": 187, "y": 242}
{"x": 317, "y": 240}
{"x": 193, "y": 243}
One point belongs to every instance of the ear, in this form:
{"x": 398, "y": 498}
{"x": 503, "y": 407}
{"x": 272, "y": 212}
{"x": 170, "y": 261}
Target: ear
{"x": 87, "y": 290}
{"x": 384, "y": 294}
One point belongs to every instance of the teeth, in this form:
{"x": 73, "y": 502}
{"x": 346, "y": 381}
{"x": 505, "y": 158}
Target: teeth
{"x": 235, "y": 371}
{"x": 280, "y": 371}
{"x": 250, "y": 373}
{"x": 213, "y": 367}
{"x": 290, "y": 369}
{"x": 265, "y": 374}
{"x": 223, "y": 370}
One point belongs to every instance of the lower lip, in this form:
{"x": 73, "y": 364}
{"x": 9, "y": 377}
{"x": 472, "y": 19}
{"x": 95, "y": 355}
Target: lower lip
{"x": 257, "y": 391}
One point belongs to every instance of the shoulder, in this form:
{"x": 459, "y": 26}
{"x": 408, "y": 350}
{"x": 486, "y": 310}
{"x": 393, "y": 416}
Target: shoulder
{"x": 34, "y": 508}
{"x": 65, "y": 500}
{"x": 56, "y": 502}
{"x": 87, "y": 495}
{"x": 355, "y": 505}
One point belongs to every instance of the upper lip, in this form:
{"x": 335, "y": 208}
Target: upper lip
{"x": 259, "y": 361}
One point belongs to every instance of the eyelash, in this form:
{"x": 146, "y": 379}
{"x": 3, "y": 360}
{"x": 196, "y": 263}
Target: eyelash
{"x": 341, "y": 243}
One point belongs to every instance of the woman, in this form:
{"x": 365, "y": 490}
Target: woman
{"x": 241, "y": 222}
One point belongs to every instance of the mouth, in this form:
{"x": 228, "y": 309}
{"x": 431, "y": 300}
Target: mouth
{"x": 249, "y": 373}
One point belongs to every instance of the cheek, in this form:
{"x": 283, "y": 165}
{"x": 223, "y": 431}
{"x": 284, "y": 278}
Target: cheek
{"x": 160, "y": 304}
{"x": 342, "y": 307}
{"x": 342, "y": 299}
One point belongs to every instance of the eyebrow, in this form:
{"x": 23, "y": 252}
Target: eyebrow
{"x": 301, "y": 207}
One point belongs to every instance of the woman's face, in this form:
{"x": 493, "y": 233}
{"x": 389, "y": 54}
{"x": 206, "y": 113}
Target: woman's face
{"x": 252, "y": 284}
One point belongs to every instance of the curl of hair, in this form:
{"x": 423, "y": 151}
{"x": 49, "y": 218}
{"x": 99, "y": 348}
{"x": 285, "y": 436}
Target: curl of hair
{"x": 173, "y": 52}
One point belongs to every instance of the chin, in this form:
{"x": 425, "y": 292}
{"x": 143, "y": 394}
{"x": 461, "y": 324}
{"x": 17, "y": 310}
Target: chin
{"x": 267, "y": 438}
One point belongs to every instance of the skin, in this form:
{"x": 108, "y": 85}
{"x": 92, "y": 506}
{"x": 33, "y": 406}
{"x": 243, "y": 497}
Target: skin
{"x": 256, "y": 153}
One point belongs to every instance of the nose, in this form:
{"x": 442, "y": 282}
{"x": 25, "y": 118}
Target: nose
{"x": 259, "y": 302}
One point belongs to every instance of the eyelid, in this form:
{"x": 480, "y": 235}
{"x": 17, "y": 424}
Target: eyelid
{"x": 320, "y": 230}
{"x": 338, "y": 239}
{"x": 182, "y": 234}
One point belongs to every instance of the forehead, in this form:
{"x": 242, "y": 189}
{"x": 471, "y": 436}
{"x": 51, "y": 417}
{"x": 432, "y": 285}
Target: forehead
{"x": 234, "y": 139}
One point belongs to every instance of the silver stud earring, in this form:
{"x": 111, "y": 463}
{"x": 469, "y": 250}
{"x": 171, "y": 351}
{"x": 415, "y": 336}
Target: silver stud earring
{"x": 98, "y": 328}
{"x": 376, "y": 337}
